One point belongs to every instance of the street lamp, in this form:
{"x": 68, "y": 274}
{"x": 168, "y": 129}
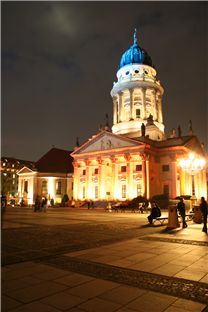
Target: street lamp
{"x": 192, "y": 165}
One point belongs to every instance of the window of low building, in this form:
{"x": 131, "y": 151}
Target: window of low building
{"x": 58, "y": 188}
{"x": 44, "y": 187}
{"x": 26, "y": 186}
{"x": 84, "y": 172}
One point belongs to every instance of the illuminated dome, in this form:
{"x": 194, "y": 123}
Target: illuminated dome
{"x": 135, "y": 55}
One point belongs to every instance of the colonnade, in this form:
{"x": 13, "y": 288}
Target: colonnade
{"x": 110, "y": 178}
{"x": 152, "y": 106}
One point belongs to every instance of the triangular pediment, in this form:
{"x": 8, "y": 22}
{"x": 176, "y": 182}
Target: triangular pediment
{"x": 104, "y": 141}
{"x": 25, "y": 170}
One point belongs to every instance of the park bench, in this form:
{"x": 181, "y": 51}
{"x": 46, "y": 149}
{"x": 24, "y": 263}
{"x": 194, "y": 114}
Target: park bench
{"x": 160, "y": 219}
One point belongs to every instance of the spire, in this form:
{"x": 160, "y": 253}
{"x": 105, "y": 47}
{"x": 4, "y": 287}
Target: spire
{"x": 190, "y": 128}
{"x": 135, "y": 37}
{"x": 107, "y": 127}
{"x": 77, "y": 142}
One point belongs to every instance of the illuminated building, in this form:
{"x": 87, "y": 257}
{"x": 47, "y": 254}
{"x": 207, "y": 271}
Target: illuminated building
{"x": 9, "y": 177}
{"x": 51, "y": 178}
{"x": 137, "y": 158}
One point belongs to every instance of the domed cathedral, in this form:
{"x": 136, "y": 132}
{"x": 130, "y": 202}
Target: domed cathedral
{"x": 137, "y": 96}
{"x": 136, "y": 158}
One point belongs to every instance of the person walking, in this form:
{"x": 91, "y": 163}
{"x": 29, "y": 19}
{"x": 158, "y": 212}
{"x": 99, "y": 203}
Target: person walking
{"x": 182, "y": 211}
{"x": 204, "y": 211}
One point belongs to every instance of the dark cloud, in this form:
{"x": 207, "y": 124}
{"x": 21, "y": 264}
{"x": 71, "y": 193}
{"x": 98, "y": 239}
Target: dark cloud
{"x": 59, "y": 61}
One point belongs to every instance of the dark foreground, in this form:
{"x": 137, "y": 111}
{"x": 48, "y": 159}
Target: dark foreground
{"x": 91, "y": 260}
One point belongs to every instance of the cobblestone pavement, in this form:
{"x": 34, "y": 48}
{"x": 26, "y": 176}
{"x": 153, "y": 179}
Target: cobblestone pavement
{"x": 67, "y": 260}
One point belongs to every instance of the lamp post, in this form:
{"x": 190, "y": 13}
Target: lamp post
{"x": 192, "y": 165}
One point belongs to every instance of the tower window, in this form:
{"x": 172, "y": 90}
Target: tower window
{"x": 123, "y": 168}
{"x": 83, "y": 172}
{"x": 96, "y": 171}
{"x": 138, "y": 113}
{"x": 138, "y": 167}
{"x": 165, "y": 168}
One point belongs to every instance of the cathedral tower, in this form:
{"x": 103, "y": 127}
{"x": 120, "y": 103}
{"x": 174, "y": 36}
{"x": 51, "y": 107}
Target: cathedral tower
{"x": 137, "y": 96}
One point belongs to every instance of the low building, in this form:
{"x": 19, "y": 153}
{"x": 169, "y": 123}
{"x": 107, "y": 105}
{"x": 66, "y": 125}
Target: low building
{"x": 51, "y": 178}
{"x": 9, "y": 177}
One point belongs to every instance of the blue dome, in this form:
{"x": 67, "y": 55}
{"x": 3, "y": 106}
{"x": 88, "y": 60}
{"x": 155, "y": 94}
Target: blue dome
{"x": 135, "y": 55}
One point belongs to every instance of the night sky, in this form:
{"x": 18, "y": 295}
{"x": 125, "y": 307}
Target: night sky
{"x": 59, "y": 62}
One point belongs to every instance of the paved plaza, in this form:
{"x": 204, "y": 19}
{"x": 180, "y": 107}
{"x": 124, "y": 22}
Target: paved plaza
{"x": 91, "y": 260}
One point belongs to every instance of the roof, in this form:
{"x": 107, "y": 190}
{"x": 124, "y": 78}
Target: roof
{"x": 189, "y": 141}
{"x": 19, "y": 163}
{"x": 135, "y": 55}
{"x": 55, "y": 160}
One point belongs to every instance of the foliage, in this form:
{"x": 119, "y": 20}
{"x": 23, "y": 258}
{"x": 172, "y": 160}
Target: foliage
{"x": 161, "y": 199}
{"x": 64, "y": 200}
{"x": 137, "y": 200}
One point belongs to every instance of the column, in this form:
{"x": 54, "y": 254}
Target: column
{"x": 144, "y": 180}
{"x": 76, "y": 180}
{"x": 115, "y": 113}
{"x": 147, "y": 177}
{"x": 127, "y": 157}
{"x": 144, "y": 102}
{"x": 174, "y": 178}
{"x": 101, "y": 179}
{"x": 131, "y": 94}
{"x": 120, "y": 111}
{"x": 87, "y": 180}
{"x": 154, "y": 105}
{"x": 115, "y": 178}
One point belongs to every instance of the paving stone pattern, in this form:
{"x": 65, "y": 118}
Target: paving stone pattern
{"x": 179, "y": 287}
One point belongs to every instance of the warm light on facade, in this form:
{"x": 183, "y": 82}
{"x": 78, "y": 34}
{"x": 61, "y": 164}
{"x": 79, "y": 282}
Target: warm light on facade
{"x": 193, "y": 167}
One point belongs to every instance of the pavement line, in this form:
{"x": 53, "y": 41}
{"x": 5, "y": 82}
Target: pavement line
{"x": 179, "y": 287}
{"x": 174, "y": 240}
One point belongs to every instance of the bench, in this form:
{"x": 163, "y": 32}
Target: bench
{"x": 189, "y": 217}
{"x": 160, "y": 219}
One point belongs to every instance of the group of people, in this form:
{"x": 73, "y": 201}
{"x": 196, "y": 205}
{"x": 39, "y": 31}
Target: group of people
{"x": 203, "y": 208}
{"x": 40, "y": 204}
{"x": 156, "y": 212}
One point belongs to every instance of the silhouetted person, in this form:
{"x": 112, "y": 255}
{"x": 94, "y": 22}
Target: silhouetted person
{"x": 182, "y": 211}
{"x": 204, "y": 211}
{"x": 155, "y": 213}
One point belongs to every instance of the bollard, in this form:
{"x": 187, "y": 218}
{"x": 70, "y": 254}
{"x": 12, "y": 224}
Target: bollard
{"x": 197, "y": 218}
{"x": 173, "y": 222}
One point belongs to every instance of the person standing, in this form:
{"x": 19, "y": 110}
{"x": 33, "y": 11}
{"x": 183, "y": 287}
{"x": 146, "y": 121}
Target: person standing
{"x": 204, "y": 211}
{"x": 182, "y": 211}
